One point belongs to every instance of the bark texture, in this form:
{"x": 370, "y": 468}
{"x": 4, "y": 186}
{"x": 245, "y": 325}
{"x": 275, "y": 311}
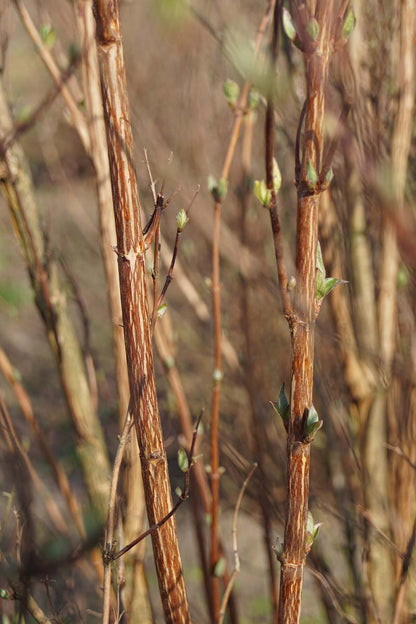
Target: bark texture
{"x": 131, "y": 260}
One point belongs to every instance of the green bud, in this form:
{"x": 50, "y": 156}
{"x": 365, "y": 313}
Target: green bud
{"x": 281, "y": 406}
{"x": 288, "y": 25}
{"x": 212, "y": 184}
{"x": 217, "y": 375}
{"x": 253, "y": 99}
{"x": 313, "y": 29}
{"x": 48, "y": 35}
{"x": 220, "y": 567}
{"x": 263, "y": 194}
{"x": 311, "y": 176}
{"x": 181, "y": 219}
{"x": 183, "y": 461}
{"x": 161, "y": 310}
{"x": 178, "y": 492}
{"x": 349, "y": 24}
{"x": 319, "y": 260}
{"x": 312, "y": 425}
{"x": 277, "y": 176}
{"x": 222, "y": 188}
{"x": 231, "y": 91}
{"x": 328, "y": 177}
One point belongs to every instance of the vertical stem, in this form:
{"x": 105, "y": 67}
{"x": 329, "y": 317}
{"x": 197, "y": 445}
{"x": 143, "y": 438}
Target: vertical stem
{"x": 130, "y": 251}
{"x": 302, "y": 323}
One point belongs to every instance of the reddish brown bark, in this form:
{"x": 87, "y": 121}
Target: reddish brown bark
{"x": 131, "y": 260}
{"x": 302, "y": 316}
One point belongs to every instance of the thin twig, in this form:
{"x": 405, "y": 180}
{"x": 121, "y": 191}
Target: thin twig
{"x": 109, "y": 532}
{"x": 23, "y": 399}
{"x": 17, "y": 448}
{"x": 367, "y": 516}
{"x": 401, "y": 453}
{"x": 235, "y": 547}
{"x": 216, "y": 305}
{"x": 78, "y": 118}
{"x": 327, "y": 587}
{"x": 169, "y": 276}
{"x": 182, "y": 498}
{"x": 403, "y": 576}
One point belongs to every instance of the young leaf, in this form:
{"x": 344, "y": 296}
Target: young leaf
{"x": 313, "y": 29}
{"x": 48, "y": 34}
{"x": 331, "y": 282}
{"x": 219, "y": 568}
{"x": 161, "y": 310}
{"x": 348, "y": 25}
{"x": 263, "y": 194}
{"x": 183, "y": 461}
{"x": 320, "y": 285}
{"x": 277, "y": 176}
{"x": 281, "y": 406}
{"x": 311, "y": 176}
{"x": 319, "y": 260}
{"x": 181, "y": 219}
{"x": 212, "y": 184}
{"x": 231, "y": 91}
{"x": 288, "y": 25}
{"x": 253, "y": 99}
{"x": 222, "y": 188}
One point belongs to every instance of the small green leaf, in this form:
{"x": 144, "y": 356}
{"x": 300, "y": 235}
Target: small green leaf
{"x": 331, "y": 282}
{"x": 212, "y": 184}
{"x": 320, "y": 285}
{"x": 319, "y": 260}
{"x": 288, "y": 25}
{"x": 309, "y": 521}
{"x": 253, "y": 99}
{"x": 178, "y": 492}
{"x": 181, "y": 219}
{"x": 220, "y": 566}
{"x": 349, "y": 24}
{"x": 231, "y": 91}
{"x": 222, "y": 188}
{"x": 312, "y": 416}
{"x": 282, "y": 406}
{"x": 161, "y": 310}
{"x": 183, "y": 461}
{"x": 312, "y": 425}
{"x": 311, "y": 176}
{"x": 316, "y": 528}
{"x": 313, "y": 29}
{"x": 328, "y": 177}
{"x": 48, "y": 35}
{"x": 263, "y": 194}
{"x": 277, "y": 176}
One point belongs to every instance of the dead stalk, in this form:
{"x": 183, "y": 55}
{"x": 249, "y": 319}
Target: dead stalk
{"x": 236, "y": 570}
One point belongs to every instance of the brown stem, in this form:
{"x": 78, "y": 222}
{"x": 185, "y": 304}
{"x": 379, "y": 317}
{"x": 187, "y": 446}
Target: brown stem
{"x": 302, "y": 326}
{"x": 130, "y": 251}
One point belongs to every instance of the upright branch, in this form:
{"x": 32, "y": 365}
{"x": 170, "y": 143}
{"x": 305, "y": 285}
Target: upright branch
{"x": 131, "y": 262}
{"x": 311, "y": 27}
